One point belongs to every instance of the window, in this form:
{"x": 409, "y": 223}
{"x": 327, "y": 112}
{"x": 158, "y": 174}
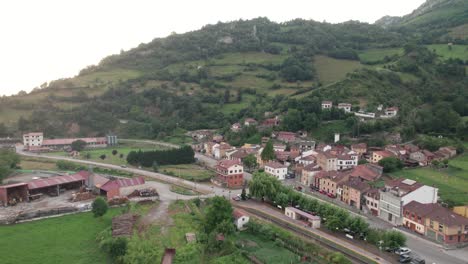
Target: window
{"x": 431, "y": 224}
{"x": 450, "y": 237}
{"x": 441, "y": 227}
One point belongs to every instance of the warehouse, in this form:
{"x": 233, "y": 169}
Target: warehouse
{"x": 53, "y": 186}
{"x": 13, "y": 193}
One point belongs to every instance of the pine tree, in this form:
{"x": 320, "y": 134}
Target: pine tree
{"x": 268, "y": 152}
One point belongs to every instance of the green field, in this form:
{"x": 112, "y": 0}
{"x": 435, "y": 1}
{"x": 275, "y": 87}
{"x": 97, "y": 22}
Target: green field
{"x": 191, "y": 172}
{"x": 265, "y": 250}
{"x": 452, "y": 182}
{"x": 330, "y": 70}
{"x": 373, "y": 55}
{"x": 110, "y": 158}
{"x": 457, "y": 51}
{"x": 67, "y": 239}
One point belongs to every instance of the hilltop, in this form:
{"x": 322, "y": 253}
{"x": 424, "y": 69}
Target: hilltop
{"x": 221, "y": 73}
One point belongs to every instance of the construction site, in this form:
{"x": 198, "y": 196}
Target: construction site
{"x": 39, "y": 194}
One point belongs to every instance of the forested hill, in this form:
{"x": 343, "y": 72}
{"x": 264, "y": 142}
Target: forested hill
{"x": 221, "y": 73}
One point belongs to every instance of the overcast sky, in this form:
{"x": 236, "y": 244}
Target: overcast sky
{"x": 47, "y": 40}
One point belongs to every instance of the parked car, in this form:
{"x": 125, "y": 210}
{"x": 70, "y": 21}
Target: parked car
{"x": 405, "y": 259}
{"x": 236, "y": 198}
{"x": 331, "y": 195}
{"x": 299, "y": 188}
{"x": 403, "y": 251}
{"x": 418, "y": 260}
{"x": 322, "y": 192}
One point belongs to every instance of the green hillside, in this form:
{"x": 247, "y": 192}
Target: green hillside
{"x": 212, "y": 77}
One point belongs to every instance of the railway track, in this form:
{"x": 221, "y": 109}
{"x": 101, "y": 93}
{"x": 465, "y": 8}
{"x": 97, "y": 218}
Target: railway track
{"x": 303, "y": 233}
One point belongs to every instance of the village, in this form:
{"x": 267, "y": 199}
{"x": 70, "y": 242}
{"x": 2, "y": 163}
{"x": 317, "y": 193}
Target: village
{"x": 351, "y": 176}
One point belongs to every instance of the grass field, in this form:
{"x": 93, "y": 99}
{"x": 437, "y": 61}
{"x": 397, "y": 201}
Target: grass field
{"x": 373, "y": 55}
{"x": 330, "y": 70}
{"x": 191, "y": 172}
{"x": 326, "y": 130}
{"x": 28, "y": 163}
{"x": 452, "y": 182}
{"x": 458, "y": 51}
{"x": 182, "y": 190}
{"x": 67, "y": 239}
{"x": 265, "y": 250}
{"x": 110, "y": 158}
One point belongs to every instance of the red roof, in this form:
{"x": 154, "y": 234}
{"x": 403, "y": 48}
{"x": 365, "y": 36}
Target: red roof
{"x": 12, "y": 185}
{"x": 68, "y": 141}
{"x": 53, "y": 181}
{"x": 226, "y": 164}
{"x": 275, "y": 165}
{"x": 120, "y": 183}
{"x": 364, "y": 172}
{"x": 304, "y": 214}
{"x": 359, "y": 146}
{"x": 238, "y": 213}
{"x": 34, "y": 134}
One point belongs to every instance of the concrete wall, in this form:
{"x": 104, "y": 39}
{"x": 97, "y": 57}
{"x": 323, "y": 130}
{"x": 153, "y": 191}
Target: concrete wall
{"x": 424, "y": 195}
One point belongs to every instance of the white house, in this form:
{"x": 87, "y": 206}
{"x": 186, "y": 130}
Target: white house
{"x": 347, "y": 161}
{"x": 240, "y": 218}
{"x": 391, "y": 111}
{"x": 34, "y": 139}
{"x": 327, "y": 104}
{"x": 345, "y": 106}
{"x": 276, "y": 169}
{"x": 365, "y": 114}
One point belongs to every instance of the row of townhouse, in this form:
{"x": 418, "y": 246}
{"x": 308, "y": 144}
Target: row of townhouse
{"x": 436, "y": 222}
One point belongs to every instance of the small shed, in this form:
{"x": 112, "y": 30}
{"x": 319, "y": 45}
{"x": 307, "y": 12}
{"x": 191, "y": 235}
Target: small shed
{"x": 240, "y": 218}
{"x": 296, "y": 214}
{"x": 13, "y": 193}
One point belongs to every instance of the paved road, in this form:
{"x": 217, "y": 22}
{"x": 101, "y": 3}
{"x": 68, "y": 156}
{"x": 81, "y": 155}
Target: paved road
{"x": 204, "y": 188}
{"x": 431, "y": 252}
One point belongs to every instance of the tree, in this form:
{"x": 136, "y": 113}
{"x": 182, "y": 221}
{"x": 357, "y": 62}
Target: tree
{"x": 103, "y": 156}
{"x": 99, "y": 207}
{"x": 8, "y": 162}
{"x": 243, "y": 194}
{"x": 227, "y": 96}
{"x": 282, "y": 199}
{"x": 391, "y": 164}
{"x": 293, "y": 120}
{"x": 114, "y": 152}
{"x": 268, "y": 152}
{"x": 218, "y": 211}
{"x": 78, "y": 145}
{"x": 121, "y": 156}
{"x": 118, "y": 247}
{"x": 87, "y": 155}
{"x": 250, "y": 161}
{"x": 393, "y": 239}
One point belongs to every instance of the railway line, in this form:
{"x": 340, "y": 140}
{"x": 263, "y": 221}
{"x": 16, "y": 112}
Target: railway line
{"x": 317, "y": 238}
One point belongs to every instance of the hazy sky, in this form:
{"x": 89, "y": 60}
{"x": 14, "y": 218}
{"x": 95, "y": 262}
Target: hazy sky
{"x": 46, "y": 40}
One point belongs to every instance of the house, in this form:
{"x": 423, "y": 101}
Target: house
{"x": 419, "y": 157}
{"x": 282, "y": 156}
{"x": 327, "y": 161}
{"x": 238, "y": 154}
{"x": 286, "y": 136}
{"x": 219, "y": 150}
{"x": 450, "y": 150}
{"x": 346, "y": 161}
{"x": 429, "y": 156}
{"x": 327, "y": 105}
{"x": 397, "y": 150}
{"x": 410, "y": 148}
{"x": 364, "y": 114}
{"x": 446, "y": 227}
{"x": 399, "y": 192}
{"x": 250, "y": 122}
{"x": 279, "y": 147}
{"x": 271, "y": 122}
{"x": 414, "y": 216}
{"x": 360, "y": 148}
{"x": 305, "y": 145}
{"x": 201, "y": 135}
{"x": 367, "y": 172}
{"x": 308, "y": 174}
{"x": 461, "y": 210}
{"x": 372, "y": 198}
{"x": 345, "y": 106}
{"x": 302, "y": 133}
{"x": 218, "y": 138}
{"x": 33, "y": 139}
{"x": 329, "y": 181}
{"x": 296, "y": 214}
{"x": 353, "y": 192}
{"x": 230, "y": 173}
{"x": 276, "y": 169}
{"x": 208, "y": 147}
{"x": 437, "y": 223}
{"x": 236, "y": 127}
{"x": 113, "y": 188}
{"x": 391, "y": 111}
{"x": 240, "y": 218}
{"x": 311, "y": 159}
{"x": 381, "y": 154}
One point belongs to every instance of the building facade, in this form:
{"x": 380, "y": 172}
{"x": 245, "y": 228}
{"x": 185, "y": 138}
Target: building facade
{"x": 230, "y": 173}
{"x": 276, "y": 169}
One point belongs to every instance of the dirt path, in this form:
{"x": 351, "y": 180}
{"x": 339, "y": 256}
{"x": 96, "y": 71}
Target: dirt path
{"x": 158, "y": 214}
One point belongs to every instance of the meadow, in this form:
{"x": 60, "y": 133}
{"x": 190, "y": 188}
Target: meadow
{"x": 331, "y": 70}
{"x": 67, "y": 239}
{"x": 191, "y": 172}
{"x": 452, "y": 181}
